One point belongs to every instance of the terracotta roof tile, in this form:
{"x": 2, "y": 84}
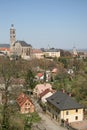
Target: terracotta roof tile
{"x": 42, "y": 87}
{"x": 4, "y": 49}
{"x": 40, "y": 75}
{"x": 37, "y": 51}
{"x": 22, "y": 98}
{"x": 45, "y": 92}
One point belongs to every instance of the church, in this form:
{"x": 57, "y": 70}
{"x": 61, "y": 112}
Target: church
{"x": 18, "y": 47}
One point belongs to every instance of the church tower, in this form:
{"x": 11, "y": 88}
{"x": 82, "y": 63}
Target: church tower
{"x": 12, "y": 37}
{"x": 75, "y": 53}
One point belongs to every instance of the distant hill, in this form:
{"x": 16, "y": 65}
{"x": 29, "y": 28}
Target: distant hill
{"x": 5, "y": 45}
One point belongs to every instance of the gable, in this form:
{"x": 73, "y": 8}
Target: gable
{"x": 22, "y": 99}
{"x": 47, "y": 95}
{"x": 27, "y": 103}
{"x": 18, "y": 45}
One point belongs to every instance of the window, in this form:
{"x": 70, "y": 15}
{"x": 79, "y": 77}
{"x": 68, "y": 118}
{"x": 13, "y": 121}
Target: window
{"x": 67, "y": 113}
{"x": 28, "y": 103}
{"x": 76, "y": 118}
{"x": 76, "y": 110}
{"x": 26, "y": 109}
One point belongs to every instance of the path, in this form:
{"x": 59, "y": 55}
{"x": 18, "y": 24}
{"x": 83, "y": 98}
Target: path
{"x": 50, "y": 124}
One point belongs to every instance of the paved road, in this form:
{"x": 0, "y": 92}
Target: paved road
{"x": 50, "y": 124}
{"x": 46, "y": 120}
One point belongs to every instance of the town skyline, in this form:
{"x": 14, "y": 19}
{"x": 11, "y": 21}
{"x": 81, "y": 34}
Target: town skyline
{"x": 59, "y": 24}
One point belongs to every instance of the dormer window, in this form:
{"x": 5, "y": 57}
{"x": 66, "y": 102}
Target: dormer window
{"x": 76, "y": 118}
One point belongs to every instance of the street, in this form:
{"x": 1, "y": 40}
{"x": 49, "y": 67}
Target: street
{"x": 50, "y": 124}
{"x": 47, "y": 123}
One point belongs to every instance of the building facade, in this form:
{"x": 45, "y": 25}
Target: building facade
{"x": 39, "y": 88}
{"x": 63, "y": 108}
{"x": 19, "y": 48}
{"x": 52, "y": 53}
{"x": 25, "y": 104}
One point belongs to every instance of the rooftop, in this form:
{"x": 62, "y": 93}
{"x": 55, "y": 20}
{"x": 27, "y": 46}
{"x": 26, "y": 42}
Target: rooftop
{"x": 63, "y": 101}
{"x": 22, "y": 98}
{"x": 23, "y": 43}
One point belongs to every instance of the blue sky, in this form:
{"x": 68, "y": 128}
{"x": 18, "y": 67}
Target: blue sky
{"x": 57, "y": 23}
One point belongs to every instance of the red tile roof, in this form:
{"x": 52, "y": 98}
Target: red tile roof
{"x": 40, "y": 75}
{"x": 22, "y": 98}
{"x": 45, "y": 92}
{"x": 37, "y": 51}
{"x": 4, "y": 49}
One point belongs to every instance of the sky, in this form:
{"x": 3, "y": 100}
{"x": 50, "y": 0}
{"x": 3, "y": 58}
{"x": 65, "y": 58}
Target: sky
{"x": 45, "y": 23}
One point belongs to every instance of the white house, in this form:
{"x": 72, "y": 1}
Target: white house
{"x": 39, "y": 88}
{"x": 45, "y": 94}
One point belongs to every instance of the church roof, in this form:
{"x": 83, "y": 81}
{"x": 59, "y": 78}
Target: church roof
{"x": 23, "y": 43}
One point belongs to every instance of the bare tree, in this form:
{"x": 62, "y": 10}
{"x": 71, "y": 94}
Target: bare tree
{"x": 7, "y": 73}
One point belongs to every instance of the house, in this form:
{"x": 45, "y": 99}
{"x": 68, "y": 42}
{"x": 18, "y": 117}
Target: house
{"x": 70, "y": 71}
{"x": 5, "y": 51}
{"x": 39, "y": 88}
{"x": 45, "y": 94}
{"x": 52, "y": 52}
{"x": 25, "y": 104}
{"x": 74, "y": 53}
{"x": 37, "y": 53}
{"x": 63, "y": 108}
{"x": 40, "y": 76}
{"x": 55, "y": 70}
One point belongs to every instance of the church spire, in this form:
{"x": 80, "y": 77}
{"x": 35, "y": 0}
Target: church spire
{"x": 12, "y": 36}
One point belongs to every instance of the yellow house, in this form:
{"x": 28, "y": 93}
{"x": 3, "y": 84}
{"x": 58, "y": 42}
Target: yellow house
{"x": 52, "y": 53}
{"x": 62, "y": 108}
